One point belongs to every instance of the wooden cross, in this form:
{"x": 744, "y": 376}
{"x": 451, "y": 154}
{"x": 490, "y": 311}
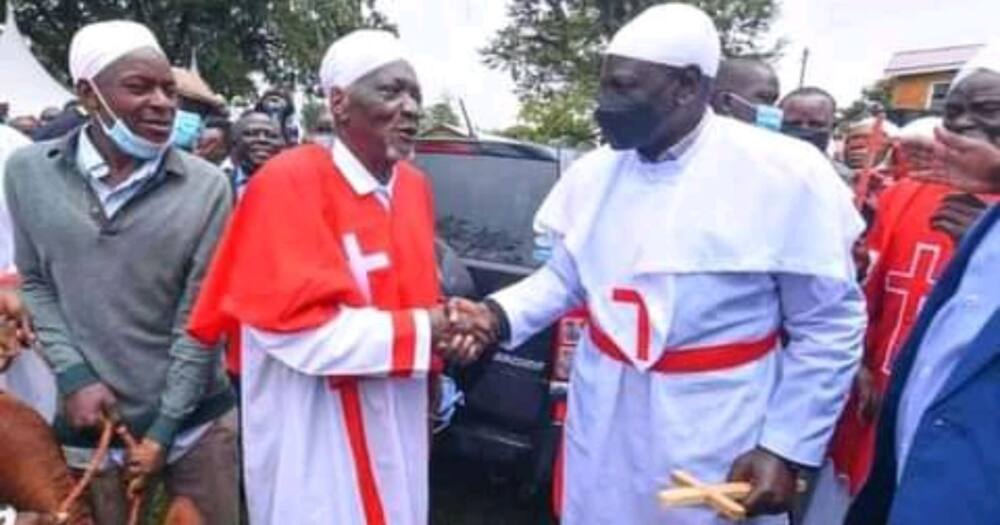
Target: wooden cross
{"x": 723, "y": 497}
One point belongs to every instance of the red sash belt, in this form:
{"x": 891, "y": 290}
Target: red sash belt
{"x": 694, "y": 359}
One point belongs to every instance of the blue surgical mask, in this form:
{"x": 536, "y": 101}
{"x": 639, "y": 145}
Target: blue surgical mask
{"x": 764, "y": 116}
{"x": 769, "y": 117}
{"x": 187, "y": 129}
{"x": 125, "y": 139}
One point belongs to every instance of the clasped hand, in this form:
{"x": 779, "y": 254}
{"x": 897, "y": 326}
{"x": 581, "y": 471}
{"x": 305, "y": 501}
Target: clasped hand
{"x": 462, "y": 330}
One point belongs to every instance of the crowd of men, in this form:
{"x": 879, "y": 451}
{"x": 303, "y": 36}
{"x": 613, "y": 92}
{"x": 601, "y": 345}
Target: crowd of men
{"x": 767, "y": 302}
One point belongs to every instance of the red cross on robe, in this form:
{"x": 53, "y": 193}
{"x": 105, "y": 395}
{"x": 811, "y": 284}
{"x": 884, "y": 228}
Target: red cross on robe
{"x": 908, "y": 256}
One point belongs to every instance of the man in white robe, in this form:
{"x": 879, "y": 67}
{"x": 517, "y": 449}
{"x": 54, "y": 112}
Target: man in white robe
{"x": 714, "y": 259}
{"x": 26, "y": 376}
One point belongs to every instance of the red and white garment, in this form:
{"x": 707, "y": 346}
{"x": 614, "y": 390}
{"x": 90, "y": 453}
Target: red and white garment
{"x": 328, "y": 277}
{"x": 689, "y": 269}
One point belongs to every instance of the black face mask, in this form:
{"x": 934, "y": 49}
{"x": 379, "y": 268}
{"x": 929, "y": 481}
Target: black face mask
{"x": 626, "y": 124}
{"x": 817, "y": 137}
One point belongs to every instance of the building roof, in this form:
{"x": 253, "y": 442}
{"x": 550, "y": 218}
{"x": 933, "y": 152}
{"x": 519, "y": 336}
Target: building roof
{"x": 933, "y": 60}
{"x": 26, "y": 86}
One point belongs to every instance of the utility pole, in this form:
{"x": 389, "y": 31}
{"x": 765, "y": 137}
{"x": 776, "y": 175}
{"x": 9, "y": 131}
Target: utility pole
{"x": 802, "y": 69}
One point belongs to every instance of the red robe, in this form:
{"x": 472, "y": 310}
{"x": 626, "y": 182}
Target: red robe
{"x": 907, "y": 257}
{"x": 329, "y": 289}
{"x": 281, "y": 266}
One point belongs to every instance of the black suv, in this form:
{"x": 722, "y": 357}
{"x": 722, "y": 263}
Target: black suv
{"x": 486, "y": 193}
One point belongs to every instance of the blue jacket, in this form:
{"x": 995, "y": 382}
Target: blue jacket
{"x": 953, "y": 471}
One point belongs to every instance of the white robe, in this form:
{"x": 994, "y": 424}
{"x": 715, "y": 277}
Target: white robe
{"x": 746, "y": 233}
{"x": 355, "y": 454}
{"x": 29, "y": 378}
{"x": 302, "y": 438}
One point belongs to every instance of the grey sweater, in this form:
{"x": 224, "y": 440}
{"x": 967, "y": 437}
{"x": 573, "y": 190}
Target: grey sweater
{"x": 111, "y": 297}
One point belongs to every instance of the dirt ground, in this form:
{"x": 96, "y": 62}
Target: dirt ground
{"x": 465, "y": 493}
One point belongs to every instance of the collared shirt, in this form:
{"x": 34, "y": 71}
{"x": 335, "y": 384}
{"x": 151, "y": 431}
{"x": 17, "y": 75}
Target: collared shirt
{"x": 951, "y": 330}
{"x": 684, "y": 145}
{"x": 358, "y": 176}
{"x": 95, "y": 169}
{"x": 240, "y": 180}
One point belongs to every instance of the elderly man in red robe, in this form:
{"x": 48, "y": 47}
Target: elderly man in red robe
{"x": 326, "y": 279}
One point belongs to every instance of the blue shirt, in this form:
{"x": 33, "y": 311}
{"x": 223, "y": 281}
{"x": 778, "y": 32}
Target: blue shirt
{"x": 95, "y": 169}
{"x": 954, "y": 326}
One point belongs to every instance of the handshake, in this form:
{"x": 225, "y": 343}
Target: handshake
{"x": 461, "y": 330}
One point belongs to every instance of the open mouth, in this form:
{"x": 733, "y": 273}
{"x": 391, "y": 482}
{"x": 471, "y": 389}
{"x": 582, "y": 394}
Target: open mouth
{"x": 260, "y": 152}
{"x": 157, "y": 129}
{"x": 407, "y": 134}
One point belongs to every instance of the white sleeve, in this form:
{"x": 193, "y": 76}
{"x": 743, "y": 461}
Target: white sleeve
{"x": 10, "y": 140}
{"x": 825, "y": 321}
{"x": 356, "y": 342}
{"x": 541, "y": 298}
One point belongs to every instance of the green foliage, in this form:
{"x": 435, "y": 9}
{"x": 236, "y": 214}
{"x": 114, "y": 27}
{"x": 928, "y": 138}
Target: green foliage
{"x": 312, "y": 109}
{"x": 562, "y": 118}
{"x": 874, "y": 97}
{"x": 552, "y": 50}
{"x": 440, "y": 113}
{"x": 282, "y": 39}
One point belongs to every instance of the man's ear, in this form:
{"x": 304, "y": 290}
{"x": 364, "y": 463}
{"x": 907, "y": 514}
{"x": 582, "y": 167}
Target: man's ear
{"x": 691, "y": 85}
{"x": 88, "y": 99}
{"x": 722, "y": 103}
{"x": 339, "y": 100}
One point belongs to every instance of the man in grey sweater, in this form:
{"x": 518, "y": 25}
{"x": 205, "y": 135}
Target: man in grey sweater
{"x": 113, "y": 229}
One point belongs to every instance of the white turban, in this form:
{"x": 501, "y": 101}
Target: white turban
{"x": 677, "y": 35}
{"x": 987, "y": 58}
{"x": 865, "y": 126}
{"x": 97, "y": 46}
{"x": 357, "y": 54}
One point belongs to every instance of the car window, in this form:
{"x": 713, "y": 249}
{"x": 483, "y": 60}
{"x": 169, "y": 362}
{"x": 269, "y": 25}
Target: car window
{"x": 485, "y": 204}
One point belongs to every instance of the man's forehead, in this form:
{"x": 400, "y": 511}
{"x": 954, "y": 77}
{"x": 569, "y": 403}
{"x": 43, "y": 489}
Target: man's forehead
{"x": 400, "y": 69}
{"x": 146, "y": 61}
{"x": 808, "y": 102}
{"x": 257, "y": 120}
{"x": 979, "y": 83}
{"x": 633, "y": 68}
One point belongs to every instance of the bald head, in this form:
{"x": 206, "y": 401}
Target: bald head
{"x": 742, "y": 83}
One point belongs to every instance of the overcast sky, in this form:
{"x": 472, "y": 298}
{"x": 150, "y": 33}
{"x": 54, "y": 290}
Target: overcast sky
{"x": 850, "y": 42}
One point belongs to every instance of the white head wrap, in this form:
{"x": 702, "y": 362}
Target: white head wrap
{"x": 865, "y": 126}
{"x": 987, "y": 58}
{"x": 97, "y": 46}
{"x": 922, "y": 127}
{"x": 677, "y": 35}
{"x": 357, "y": 54}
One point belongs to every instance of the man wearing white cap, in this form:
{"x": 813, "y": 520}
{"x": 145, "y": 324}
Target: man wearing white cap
{"x": 113, "y": 230}
{"x": 326, "y": 278}
{"x": 714, "y": 260}
{"x": 935, "y": 454}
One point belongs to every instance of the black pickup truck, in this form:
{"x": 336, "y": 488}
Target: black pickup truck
{"x": 486, "y": 192}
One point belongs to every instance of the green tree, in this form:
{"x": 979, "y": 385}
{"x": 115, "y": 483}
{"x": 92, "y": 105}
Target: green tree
{"x": 440, "y": 113}
{"x": 876, "y": 97}
{"x": 282, "y": 39}
{"x": 552, "y": 50}
{"x": 558, "y": 118}
{"x": 312, "y": 109}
